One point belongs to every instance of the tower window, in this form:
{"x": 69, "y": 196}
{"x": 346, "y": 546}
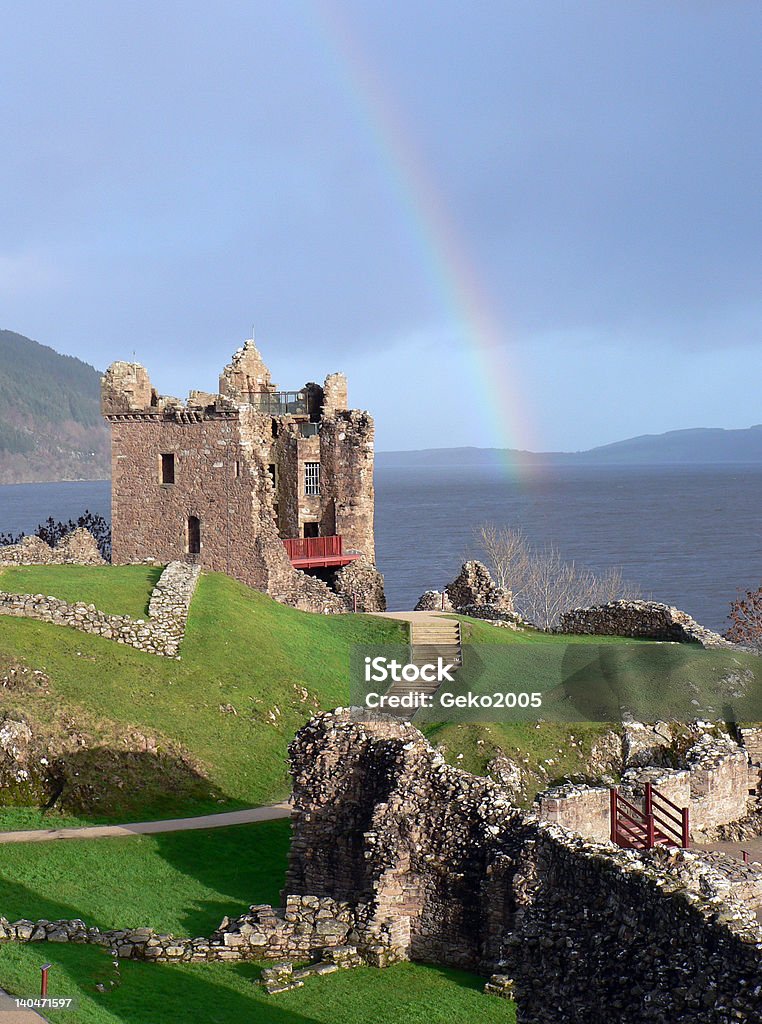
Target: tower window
{"x": 272, "y": 469}
{"x": 168, "y": 468}
{"x": 311, "y": 478}
{"x": 194, "y": 535}
{"x": 237, "y": 468}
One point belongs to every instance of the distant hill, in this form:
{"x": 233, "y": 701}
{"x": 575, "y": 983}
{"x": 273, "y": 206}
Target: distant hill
{"x": 50, "y": 422}
{"x": 687, "y": 447}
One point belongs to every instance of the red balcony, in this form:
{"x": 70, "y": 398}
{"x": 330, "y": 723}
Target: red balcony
{"x": 317, "y": 552}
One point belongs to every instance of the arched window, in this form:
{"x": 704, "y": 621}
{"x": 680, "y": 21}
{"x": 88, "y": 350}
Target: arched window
{"x": 194, "y": 535}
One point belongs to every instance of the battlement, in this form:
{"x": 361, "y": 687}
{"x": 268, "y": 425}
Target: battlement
{"x": 126, "y": 390}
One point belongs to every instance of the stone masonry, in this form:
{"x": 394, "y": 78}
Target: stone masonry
{"x": 77, "y": 548}
{"x": 447, "y": 871}
{"x": 649, "y": 620}
{"x": 711, "y": 781}
{"x": 222, "y": 480}
{"x": 161, "y": 633}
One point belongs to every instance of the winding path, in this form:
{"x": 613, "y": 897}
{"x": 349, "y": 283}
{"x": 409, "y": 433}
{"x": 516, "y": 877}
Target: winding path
{"x": 140, "y": 828}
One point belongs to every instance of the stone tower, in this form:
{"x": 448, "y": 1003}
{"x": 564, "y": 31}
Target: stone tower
{"x": 274, "y": 488}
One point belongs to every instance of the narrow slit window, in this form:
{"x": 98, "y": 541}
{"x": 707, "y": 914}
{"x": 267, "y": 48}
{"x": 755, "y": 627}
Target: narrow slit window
{"x": 168, "y": 468}
{"x": 194, "y": 535}
{"x": 237, "y": 468}
{"x": 311, "y": 478}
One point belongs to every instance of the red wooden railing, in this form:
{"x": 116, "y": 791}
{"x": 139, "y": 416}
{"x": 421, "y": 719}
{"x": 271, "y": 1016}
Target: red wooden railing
{"x": 660, "y": 823}
{"x": 314, "y": 547}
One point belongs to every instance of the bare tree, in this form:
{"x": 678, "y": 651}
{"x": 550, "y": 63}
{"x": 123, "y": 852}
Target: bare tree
{"x": 746, "y": 619}
{"x": 543, "y": 584}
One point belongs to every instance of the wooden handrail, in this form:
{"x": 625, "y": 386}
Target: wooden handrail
{"x": 655, "y": 823}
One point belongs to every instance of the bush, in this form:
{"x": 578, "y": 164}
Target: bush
{"x": 746, "y": 619}
{"x": 543, "y": 584}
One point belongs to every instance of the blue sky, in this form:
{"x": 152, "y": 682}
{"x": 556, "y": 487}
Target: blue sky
{"x": 345, "y": 175}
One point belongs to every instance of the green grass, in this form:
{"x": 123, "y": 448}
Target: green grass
{"x": 272, "y": 665}
{"x": 185, "y": 883}
{"x": 114, "y": 589}
{"x": 178, "y": 882}
{"x": 225, "y": 993}
{"x": 252, "y": 671}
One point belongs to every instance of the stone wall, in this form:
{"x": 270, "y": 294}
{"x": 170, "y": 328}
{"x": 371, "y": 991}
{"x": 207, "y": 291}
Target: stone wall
{"x": 583, "y": 809}
{"x": 450, "y": 873}
{"x": 403, "y": 856}
{"x": 361, "y": 580}
{"x": 648, "y": 620}
{"x": 77, "y": 548}
{"x": 712, "y": 783}
{"x": 719, "y": 779}
{"x": 303, "y": 927}
{"x": 162, "y": 633}
{"x": 474, "y": 586}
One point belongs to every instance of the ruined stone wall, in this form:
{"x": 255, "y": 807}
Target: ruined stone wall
{"x": 77, "y": 548}
{"x": 450, "y": 873}
{"x": 712, "y": 783}
{"x": 647, "y": 620}
{"x": 585, "y": 810}
{"x": 719, "y": 780}
{"x": 302, "y": 927}
{"x": 346, "y": 458}
{"x": 361, "y": 584}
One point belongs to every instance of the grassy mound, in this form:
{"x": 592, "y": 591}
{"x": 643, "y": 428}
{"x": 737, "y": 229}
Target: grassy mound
{"x": 251, "y": 673}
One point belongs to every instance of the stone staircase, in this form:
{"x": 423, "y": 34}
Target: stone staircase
{"x": 751, "y": 738}
{"x": 431, "y": 638}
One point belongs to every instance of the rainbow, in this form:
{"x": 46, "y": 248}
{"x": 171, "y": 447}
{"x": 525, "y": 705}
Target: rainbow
{"x": 452, "y": 271}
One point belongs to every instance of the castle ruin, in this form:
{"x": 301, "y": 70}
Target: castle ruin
{"x": 274, "y": 488}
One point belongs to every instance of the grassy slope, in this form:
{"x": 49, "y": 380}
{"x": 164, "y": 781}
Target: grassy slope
{"x": 553, "y": 748}
{"x": 185, "y": 883}
{"x": 273, "y": 665}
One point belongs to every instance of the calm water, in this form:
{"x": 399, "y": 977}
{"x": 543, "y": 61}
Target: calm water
{"x": 691, "y": 536}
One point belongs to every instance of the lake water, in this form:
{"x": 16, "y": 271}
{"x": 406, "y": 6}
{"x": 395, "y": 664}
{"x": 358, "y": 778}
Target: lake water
{"x": 688, "y": 535}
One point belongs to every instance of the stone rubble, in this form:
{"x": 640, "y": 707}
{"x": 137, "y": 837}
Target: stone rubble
{"x": 650, "y": 620}
{"x": 77, "y": 548}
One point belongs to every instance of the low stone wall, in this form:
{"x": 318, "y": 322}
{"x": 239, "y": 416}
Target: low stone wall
{"x": 305, "y": 926}
{"x": 160, "y": 634}
{"x": 648, "y": 620}
{"x": 77, "y": 548}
